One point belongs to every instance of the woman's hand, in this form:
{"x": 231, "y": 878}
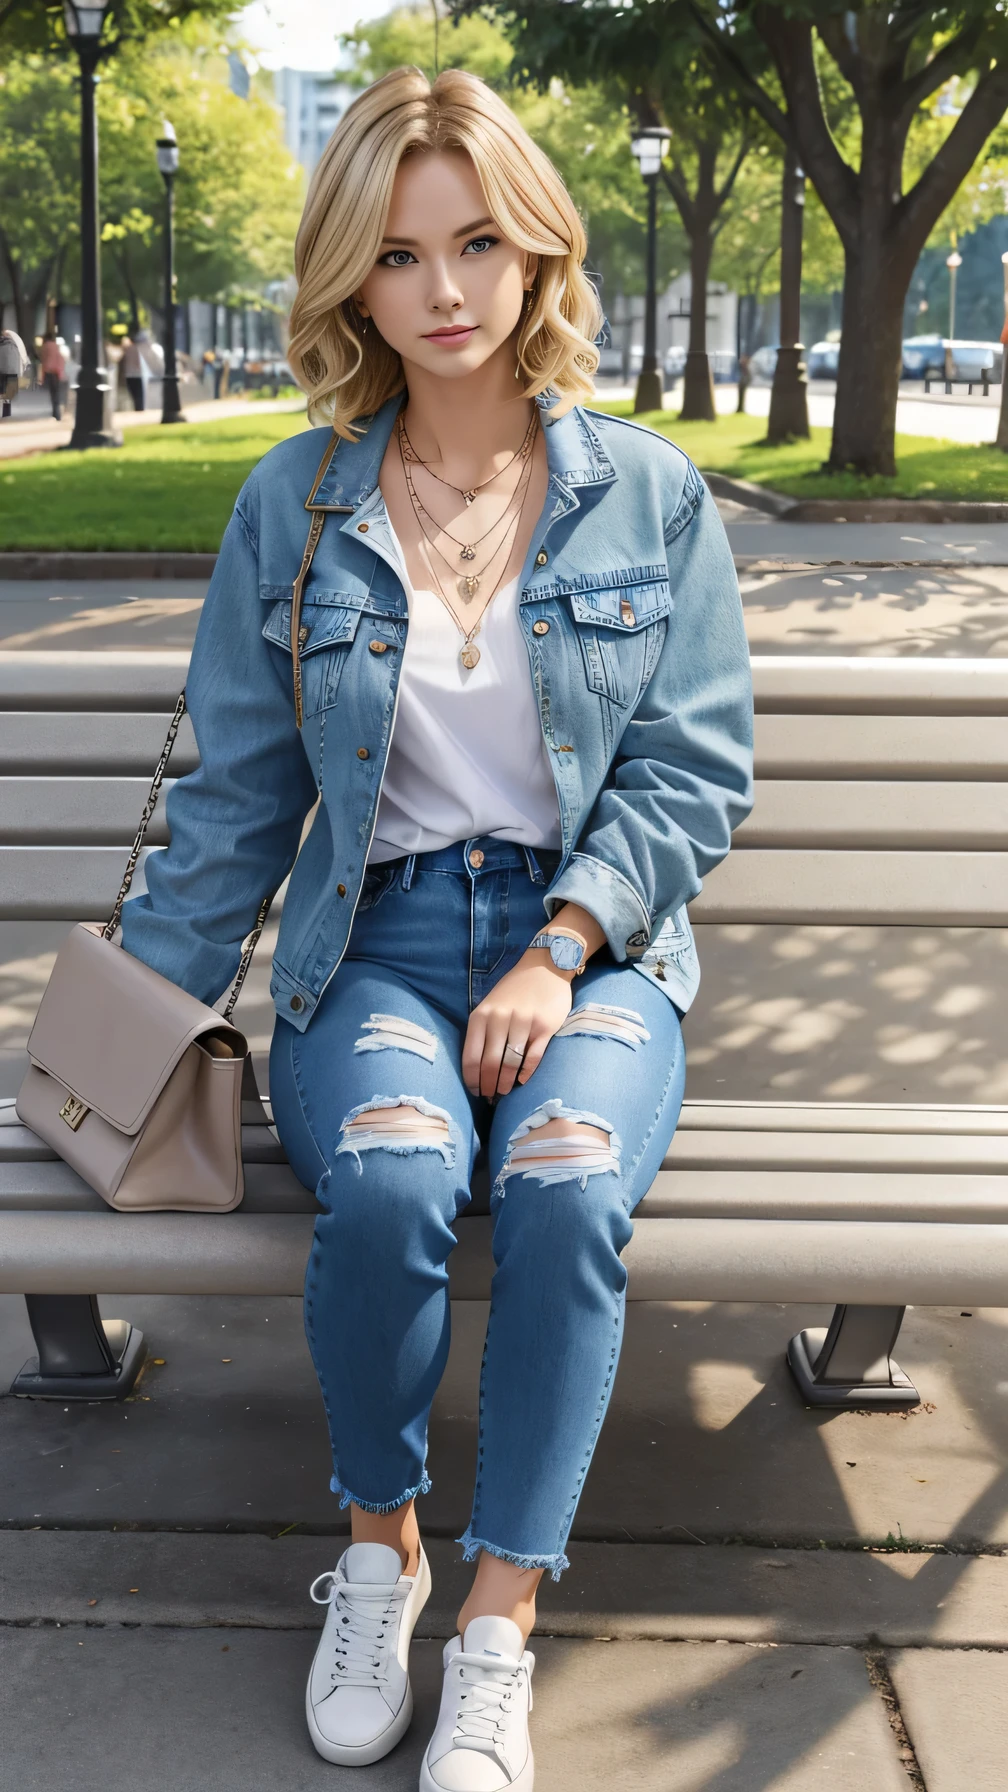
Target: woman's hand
{"x": 524, "y": 1009}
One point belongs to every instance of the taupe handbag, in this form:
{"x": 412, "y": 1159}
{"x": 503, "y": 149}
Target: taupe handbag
{"x": 133, "y": 1082}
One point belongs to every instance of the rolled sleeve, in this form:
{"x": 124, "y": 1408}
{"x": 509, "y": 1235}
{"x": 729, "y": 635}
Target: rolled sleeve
{"x": 605, "y": 893}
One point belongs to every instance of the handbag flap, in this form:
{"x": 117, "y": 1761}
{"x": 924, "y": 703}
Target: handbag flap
{"x": 111, "y": 1030}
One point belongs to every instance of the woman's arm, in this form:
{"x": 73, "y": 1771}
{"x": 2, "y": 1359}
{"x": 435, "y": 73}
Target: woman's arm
{"x": 236, "y": 820}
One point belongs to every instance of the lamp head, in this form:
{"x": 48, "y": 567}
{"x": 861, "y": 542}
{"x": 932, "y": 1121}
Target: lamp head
{"x": 954, "y": 260}
{"x": 84, "y": 20}
{"x": 167, "y": 150}
{"x": 649, "y": 147}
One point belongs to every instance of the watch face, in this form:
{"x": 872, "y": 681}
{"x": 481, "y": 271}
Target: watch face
{"x": 565, "y": 953}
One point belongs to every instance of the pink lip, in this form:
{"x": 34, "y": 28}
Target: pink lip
{"x": 454, "y": 333}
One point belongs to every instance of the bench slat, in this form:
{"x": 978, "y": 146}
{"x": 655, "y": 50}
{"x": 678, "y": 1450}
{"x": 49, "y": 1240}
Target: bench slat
{"x": 938, "y": 889}
{"x": 884, "y": 1264}
{"x": 104, "y": 811}
{"x": 827, "y": 746}
{"x": 99, "y": 745}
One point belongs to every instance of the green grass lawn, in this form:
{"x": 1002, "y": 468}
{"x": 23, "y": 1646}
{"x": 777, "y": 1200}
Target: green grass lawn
{"x": 173, "y": 488}
{"x": 167, "y": 487}
{"x": 926, "y": 468}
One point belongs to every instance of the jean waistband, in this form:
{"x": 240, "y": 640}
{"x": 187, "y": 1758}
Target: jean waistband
{"x": 494, "y": 855}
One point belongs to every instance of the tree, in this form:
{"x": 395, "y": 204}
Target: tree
{"x": 893, "y": 61}
{"x": 28, "y": 27}
{"x": 39, "y": 191}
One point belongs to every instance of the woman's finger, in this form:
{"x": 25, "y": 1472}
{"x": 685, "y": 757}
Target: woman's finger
{"x": 534, "y": 1050}
{"x": 511, "y": 1063}
{"x": 493, "y": 1051}
{"x": 472, "y": 1050}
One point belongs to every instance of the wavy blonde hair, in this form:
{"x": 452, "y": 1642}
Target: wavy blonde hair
{"x": 347, "y": 374}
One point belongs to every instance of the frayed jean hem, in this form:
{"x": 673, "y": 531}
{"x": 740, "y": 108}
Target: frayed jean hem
{"x": 424, "y": 1485}
{"x": 471, "y": 1547}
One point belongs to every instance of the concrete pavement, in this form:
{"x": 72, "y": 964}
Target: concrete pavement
{"x": 955, "y": 417}
{"x": 36, "y": 433}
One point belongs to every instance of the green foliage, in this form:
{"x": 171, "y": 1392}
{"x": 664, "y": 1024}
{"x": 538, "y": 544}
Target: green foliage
{"x": 36, "y": 26}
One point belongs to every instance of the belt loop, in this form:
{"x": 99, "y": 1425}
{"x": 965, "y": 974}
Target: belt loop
{"x": 532, "y": 862}
{"x": 408, "y": 873}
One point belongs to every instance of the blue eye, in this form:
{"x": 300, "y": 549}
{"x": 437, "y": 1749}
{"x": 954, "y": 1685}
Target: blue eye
{"x": 480, "y": 244}
{"x": 396, "y": 258}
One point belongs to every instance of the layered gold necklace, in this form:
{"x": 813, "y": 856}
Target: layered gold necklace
{"x": 501, "y": 534}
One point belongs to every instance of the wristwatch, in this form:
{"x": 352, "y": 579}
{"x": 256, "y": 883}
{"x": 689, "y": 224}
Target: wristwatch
{"x": 567, "y": 950}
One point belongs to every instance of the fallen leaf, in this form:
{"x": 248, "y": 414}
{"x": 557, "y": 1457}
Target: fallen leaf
{"x": 134, "y": 1589}
{"x": 92, "y": 1602}
{"x": 225, "y": 1359}
{"x": 159, "y": 1362}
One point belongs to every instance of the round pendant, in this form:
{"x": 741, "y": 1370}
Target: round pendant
{"x": 468, "y": 585}
{"x": 469, "y": 656}
{"x": 467, "y": 553}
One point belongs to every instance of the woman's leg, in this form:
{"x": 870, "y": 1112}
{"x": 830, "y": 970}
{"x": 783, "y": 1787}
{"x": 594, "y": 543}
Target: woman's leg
{"x": 571, "y": 1154}
{"x": 371, "y": 1108}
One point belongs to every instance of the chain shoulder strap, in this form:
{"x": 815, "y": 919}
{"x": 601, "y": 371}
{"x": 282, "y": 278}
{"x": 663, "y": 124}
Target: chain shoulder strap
{"x": 251, "y": 940}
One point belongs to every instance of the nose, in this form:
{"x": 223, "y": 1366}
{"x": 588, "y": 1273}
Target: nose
{"x": 445, "y": 294}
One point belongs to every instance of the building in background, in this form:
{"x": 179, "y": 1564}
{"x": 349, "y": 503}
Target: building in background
{"x": 312, "y": 105}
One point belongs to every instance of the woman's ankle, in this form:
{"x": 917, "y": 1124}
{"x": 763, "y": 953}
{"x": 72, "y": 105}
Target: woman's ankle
{"x": 397, "y": 1530}
{"x": 500, "y": 1590}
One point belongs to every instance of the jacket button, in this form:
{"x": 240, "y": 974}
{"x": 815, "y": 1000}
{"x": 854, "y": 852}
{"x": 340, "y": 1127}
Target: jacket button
{"x": 341, "y": 889}
{"x": 362, "y": 528}
{"x": 362, "y": 753}
{"x": 476, "y": 858}
{"x": 540, "y": 628}
{"x": 297, "y": 1003}
{"x": 637, "y": 942}
{"x": 378, "y": 646}
{"x": 541, "y": 558}
{"x": 303, "y": 634}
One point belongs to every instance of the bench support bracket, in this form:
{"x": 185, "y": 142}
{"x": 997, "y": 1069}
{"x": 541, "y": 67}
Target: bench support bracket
{"x": 80, "y": 1355}
{"x": 850, "y": 1363}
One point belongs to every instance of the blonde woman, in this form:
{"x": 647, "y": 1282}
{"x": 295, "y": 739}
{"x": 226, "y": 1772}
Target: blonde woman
{"x": 515, "y": 683}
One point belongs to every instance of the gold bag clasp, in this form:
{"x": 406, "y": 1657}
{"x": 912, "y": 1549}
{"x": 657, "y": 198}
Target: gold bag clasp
{"x": 73, "y": 1112}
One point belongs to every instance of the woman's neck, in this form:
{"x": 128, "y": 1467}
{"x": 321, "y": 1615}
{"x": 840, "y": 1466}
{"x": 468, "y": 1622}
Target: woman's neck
{"x": 467, "y": 428}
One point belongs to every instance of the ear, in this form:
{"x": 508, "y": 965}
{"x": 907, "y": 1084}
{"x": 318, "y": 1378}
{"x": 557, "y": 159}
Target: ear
{"x": 531, "y": 270}
{"x": 359, "y": 304}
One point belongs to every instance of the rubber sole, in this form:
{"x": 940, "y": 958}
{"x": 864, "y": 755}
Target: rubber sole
{"x": 368, "y": 1752}
{"x": 523, "y": 1783}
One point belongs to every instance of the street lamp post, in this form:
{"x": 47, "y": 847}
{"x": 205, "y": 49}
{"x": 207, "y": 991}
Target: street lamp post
{"x": 168, "y": 161}
{"x": 649, "y": 147}
{"x": 94, "y": 415}
{"x": 1001, "y": 439}
{"x": 789, "y": 395}
{"x": 953, "y": 262}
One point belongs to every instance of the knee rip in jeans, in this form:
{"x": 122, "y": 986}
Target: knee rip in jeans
{"x": 558, "y": 1144}
{"x": 401, "y": 1124}
{"x": 601, "y": 1021}
{"x": 389, "y": 1032}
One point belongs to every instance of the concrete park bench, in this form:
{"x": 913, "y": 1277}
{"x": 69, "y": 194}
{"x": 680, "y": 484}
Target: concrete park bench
{"x": 882, "y": 801}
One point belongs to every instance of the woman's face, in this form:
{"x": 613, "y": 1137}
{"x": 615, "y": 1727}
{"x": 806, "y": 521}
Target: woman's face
{"x": 447, "y": 288}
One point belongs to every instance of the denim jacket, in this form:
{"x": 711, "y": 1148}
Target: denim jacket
{"x": 637, "y": 653}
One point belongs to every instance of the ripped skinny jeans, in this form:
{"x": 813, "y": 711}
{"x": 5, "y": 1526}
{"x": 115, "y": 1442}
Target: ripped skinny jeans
{"x": 432, "y": 935}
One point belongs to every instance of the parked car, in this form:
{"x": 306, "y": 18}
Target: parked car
{"x": 610, "y": 365}
{"x": 924, "y": 357}
{"x": 674, "y": 364}
{"x": 823, "y": 360}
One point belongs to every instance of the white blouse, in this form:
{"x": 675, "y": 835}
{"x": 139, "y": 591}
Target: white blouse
{"x": 467, "y": 755}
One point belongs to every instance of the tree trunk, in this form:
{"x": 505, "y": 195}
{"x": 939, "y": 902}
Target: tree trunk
{"x": 698, "y": 386}
{"x": 871, "y": 357}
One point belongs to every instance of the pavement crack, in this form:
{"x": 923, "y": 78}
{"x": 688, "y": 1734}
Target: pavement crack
{"x": 881, "y": 1679}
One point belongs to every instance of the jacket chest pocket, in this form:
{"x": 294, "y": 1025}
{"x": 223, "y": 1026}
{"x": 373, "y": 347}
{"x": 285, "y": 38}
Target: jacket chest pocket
{"x": 621, "y": 631}
{"x": 326, "y": 638}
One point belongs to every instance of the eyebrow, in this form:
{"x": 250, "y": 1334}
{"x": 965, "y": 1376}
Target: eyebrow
{"x": 410, "y": 242}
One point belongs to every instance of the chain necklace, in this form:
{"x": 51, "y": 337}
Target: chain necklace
{"x": 473, "y": 489}
{"x": 468, "y": 584}
{"x": 469, "y": 653}
{"x": 467, "y": 549}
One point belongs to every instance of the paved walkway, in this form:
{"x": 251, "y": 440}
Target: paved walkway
{"x": 33, "y": 435}
{"x": 956, "y": 417}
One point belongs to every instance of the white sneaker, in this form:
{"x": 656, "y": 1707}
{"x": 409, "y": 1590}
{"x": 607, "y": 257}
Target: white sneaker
{"x": 481, "y": 1743}
{"x": 359, "y": 1701}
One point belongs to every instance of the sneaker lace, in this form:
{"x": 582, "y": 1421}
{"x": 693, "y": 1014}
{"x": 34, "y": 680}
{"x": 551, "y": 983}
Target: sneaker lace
{"x": 362, "y": 1634}
{"x": 483, "y": 1708}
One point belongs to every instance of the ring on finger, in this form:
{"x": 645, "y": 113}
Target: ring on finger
{"x": 516, "y": 1051}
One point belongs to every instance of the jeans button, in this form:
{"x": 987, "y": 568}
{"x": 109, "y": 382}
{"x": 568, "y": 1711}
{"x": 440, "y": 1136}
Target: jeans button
{"x": 476, "y": 858}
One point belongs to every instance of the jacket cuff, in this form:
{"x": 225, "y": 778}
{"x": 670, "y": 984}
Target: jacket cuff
{"x": 617, "y": 907}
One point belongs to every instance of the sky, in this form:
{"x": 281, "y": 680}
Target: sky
{"x": 302, "y": 33}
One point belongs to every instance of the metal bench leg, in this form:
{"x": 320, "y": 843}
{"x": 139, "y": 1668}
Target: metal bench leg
{"x": 850, "y": 1364}
{"x": 80, "y": 1355}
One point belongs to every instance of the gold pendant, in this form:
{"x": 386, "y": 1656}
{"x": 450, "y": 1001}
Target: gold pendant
{"x": 469, "y": 498}
{"x": 468, "y": 585}
{"x": 469, "y": 656}
{"x": 467, "y": 553}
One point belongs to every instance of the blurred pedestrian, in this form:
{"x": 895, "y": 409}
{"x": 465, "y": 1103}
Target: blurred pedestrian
{"x": 54, "y": 364}
{"x": 14, "y": 364}
{"x": 132, "y": 372}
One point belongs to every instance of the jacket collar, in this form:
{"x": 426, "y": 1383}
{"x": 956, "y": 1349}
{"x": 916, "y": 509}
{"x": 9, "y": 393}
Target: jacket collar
{"x": 574, "y": 454}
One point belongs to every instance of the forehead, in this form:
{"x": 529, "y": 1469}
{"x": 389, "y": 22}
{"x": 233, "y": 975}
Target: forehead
{"x": 435, "y": 191}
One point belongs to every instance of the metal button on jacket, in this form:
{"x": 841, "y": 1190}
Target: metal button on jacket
{"x": 476, "y": 858}
{"x": 341, "y": 889}
{"x": 540, "y": 628}
{"x": 297, "y": 1003}
{"x": 637, "y": 942}
{"x": 541, "y": 558}
{"x": 362, "y": 528}
{"x": 362, "y": 753}
{"x": 303, "y": 634}
{"x": 378, "y": 646}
